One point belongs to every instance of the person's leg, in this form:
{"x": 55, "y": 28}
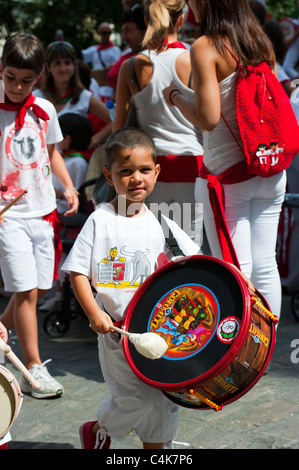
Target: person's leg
{"x": 237, "y": 218}
{"x": 265, "y": 213}
{"x": 25, "y": 322}
{"x": 153, "y": 445}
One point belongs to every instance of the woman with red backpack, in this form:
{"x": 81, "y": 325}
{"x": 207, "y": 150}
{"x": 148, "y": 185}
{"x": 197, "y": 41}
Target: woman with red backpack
{"x": 241, "y": 209}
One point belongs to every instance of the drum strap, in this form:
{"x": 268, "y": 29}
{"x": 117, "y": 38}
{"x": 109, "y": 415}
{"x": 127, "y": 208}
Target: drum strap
{"x": 170, "y": 240}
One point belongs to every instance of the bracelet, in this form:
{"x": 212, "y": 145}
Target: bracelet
{"x": 72, "y": 187}
{"x": 175, "y": 90}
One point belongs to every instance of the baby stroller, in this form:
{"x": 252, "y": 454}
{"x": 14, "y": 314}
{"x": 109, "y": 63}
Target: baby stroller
{"x": 292, "y": 200}
{"x": 57, "y": 322}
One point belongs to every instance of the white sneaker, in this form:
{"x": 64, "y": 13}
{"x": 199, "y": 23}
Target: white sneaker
{"x": 49, "y": 386}
{"x": 52, "y": 303}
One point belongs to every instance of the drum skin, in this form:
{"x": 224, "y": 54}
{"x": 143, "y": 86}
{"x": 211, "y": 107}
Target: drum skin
{"x": 10, "y": 400}
{"x": 219, "y": 334}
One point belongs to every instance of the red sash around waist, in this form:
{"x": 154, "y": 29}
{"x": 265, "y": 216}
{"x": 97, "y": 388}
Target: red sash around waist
{"x": 54, "y": 219}
{"x": 235, "y": 174}
{"x": 179, "y": 168}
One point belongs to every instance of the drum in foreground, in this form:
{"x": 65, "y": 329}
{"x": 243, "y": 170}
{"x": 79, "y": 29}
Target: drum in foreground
{"x": 220, "y": 335}
{"x": 10, "y": 400}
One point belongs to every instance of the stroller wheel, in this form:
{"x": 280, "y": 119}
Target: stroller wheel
{"x": 54, "y": 325}
{"x": 295, "y": 304}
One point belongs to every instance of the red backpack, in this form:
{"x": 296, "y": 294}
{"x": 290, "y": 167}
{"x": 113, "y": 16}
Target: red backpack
{"x": 268, "y": 126}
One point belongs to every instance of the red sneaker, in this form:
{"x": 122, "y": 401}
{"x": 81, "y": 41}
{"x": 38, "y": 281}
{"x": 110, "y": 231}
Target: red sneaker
{"x": 89, "y": 440}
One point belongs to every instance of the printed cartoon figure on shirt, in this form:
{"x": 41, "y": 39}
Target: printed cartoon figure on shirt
{"x": 123, "y": 271}
{"x": 262, "y": 153}
{"x": 274, "y": 152}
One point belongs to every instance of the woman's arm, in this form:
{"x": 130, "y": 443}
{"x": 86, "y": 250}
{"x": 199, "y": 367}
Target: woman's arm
{"x": 98, "y": 108}
{"x": 100, "y": 137}
{"x": 123, "y": 96}
{"x": 60, "y": 171}
{"x": 205, "y": 111}
{"x": 100, "y": 321}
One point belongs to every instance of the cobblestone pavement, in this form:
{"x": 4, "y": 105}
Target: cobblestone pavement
{"x": 267, "y": 417}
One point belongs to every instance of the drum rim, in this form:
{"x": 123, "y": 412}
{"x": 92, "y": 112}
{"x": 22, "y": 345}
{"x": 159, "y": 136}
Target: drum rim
{"x": 17, "y": 394}
{"x": 231, "y": 353}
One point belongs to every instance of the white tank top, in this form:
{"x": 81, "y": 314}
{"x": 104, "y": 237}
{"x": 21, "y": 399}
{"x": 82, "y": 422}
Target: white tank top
{"x": 221, "y": 151}
{"x": 170, "y": 130}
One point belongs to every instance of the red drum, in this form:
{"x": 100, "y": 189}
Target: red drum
{"x": 220, "y": 335}
{"x": 10, "y": 400}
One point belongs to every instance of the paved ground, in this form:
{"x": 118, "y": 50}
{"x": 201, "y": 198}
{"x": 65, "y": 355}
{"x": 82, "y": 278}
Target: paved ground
{"x": 267, "y": 417}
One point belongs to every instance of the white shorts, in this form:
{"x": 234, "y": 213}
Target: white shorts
{"x": 132, "y": 405}
{"x": 26, "y": 254}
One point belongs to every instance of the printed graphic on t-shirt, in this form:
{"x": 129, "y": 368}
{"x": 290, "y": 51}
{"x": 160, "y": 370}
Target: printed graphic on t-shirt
{"x": 26, "y": 148}
{"x": 122, "y": 268}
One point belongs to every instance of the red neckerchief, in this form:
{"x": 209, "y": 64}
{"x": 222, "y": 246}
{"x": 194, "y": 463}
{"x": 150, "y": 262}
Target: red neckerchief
{"x": 105, "y": 46}
{"x": 176, "y": 45}
{"x": 23, "y": 108}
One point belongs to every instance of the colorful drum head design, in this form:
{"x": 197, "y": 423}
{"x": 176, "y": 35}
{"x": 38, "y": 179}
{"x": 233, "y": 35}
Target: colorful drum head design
{"x": 186, "y": 318}
{"x": 188, "y": 303}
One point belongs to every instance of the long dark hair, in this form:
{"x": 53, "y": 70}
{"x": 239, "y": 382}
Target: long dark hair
{"x": 62, "y": 49}
{"x": 235, "y": 22}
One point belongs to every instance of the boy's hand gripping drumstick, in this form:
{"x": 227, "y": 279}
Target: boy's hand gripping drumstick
{"x": 16, "y": 361}
{"x": 149, "y": 345}
{"x": 11, "y": 203}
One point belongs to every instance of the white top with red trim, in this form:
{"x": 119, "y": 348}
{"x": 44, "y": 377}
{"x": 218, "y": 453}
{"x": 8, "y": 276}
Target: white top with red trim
{"x": 172, "y": 133}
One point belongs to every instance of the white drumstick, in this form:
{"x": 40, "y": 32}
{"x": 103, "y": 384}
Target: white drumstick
{"x": 19, "y": 365}
{"x": 149, "y": 345}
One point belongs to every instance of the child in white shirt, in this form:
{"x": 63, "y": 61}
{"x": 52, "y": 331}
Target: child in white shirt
{"x": 112, "y": 236}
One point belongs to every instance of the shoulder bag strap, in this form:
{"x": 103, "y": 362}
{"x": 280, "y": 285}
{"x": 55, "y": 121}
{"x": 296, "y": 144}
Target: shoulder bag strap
{"x": 133, "y": 77}
{"x": 170, "y": 240}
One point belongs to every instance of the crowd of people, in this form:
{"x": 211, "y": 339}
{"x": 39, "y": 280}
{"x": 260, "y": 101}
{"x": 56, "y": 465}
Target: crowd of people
{"x": 57, "y": 132}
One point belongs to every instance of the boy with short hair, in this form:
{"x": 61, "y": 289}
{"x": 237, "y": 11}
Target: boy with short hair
{"x": 114, "y": 232}
{"x": 29, "y": 130}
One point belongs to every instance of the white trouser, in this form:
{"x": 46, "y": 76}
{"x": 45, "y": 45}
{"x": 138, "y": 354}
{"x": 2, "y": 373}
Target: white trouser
{"x": 26, "y": 254}
{"x": 252, "y": 211}
{"x": 132, "y": 405}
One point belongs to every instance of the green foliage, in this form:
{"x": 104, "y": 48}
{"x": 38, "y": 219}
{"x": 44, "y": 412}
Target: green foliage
{"x": 282, "y": 8}
{"x": 78, "y": 19}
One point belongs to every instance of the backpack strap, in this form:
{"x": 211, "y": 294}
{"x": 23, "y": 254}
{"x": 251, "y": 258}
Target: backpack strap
{"x": 133, "y": 76}
{"x": 233, "y": 55}
{"x": 170, "y": 240}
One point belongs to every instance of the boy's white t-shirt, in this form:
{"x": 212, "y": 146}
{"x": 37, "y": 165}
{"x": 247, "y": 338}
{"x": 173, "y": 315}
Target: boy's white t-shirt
{"x": 25, "y": 163}
{"x": 118, "y": 253}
